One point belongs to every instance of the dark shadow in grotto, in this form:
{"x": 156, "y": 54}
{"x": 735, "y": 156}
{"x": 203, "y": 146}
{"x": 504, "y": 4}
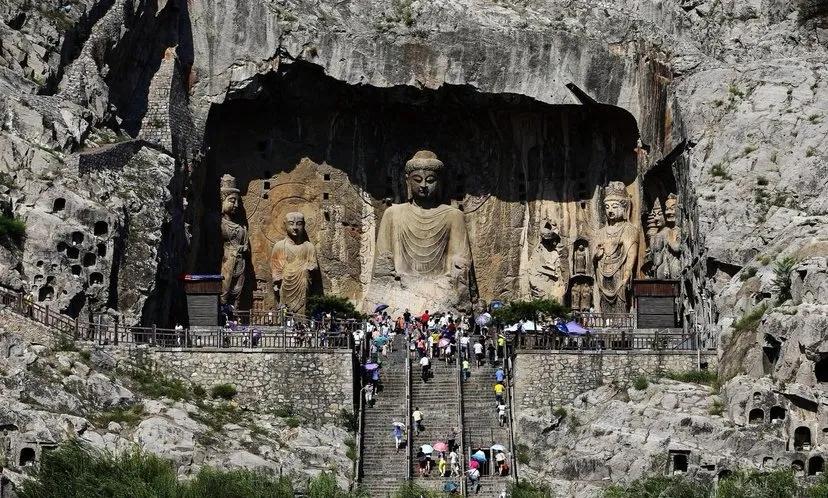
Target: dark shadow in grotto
{"x": 508, "y": 146}
{"x": 47, "y": 292}
{"x": 777, "y": 413}
{"x": 798, "y": 468}
{"x": 802, "y": 438}
{"x": 101, "y": 228}
{"x": 756, "y": 416}
{"x": 59, "y": 204}
{"x": 770, "y": 353}
{"x": 72, "y": 252}
{"x": 27, "y": 456}
{"x": 816, "y": 465}
{"x": 821, "y": 368}
{"x": 679, "y": 460}
{"x": 75, "y": 305}
{"x": 724, "y": 474}
{"x": 767, "y": 462}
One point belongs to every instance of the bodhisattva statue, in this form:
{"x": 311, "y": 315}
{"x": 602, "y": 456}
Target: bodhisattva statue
{"x": 581, "y": 294}
{"x": 666, "y": 244}
{"x": 616, "y": 251}
{"x": 423, "y": 259}
{"x": 236, "y": 243}
{"x": 580, "y": 258}
{"x": 293, "y": 263}
{"x": 546, "y": 279}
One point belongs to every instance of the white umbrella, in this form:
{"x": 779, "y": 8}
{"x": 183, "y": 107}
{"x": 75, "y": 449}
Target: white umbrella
{"x": 527, "y": 326}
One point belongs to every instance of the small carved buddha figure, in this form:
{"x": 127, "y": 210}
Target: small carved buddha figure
{"x": 545, "y": 273}
{"x": 293, "y": 262}
{"x": 616, "y": 251}
{"x": 580, "y": 259}
{"x": 236, "y": 243}
{"x": 666, "y": 244}
{"x": 423, "y": 259}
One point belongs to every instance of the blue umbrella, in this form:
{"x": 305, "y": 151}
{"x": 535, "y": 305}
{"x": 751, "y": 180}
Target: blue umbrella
{"x": 381, "y": 340}
{"x": 380, "y": 307}
{"x": 479, "y": 456}
{"x": 371, "y": 366}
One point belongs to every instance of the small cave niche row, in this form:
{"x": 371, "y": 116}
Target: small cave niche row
{"x": 336, "y": 153}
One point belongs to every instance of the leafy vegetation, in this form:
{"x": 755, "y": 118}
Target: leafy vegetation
{"x": 751, "y": 320}
{"x": 526, "y": 489}
{"x": 719, "y": 170}
{"x": 338, "y": 306}
{"x": 77, "y": 470}
{"x": 530, "y": 310}
{"x": 12, "y": 231}
{"x": 782, "y": 277}
{"x": 155, "y": 385}
{"x": 223, "y": 391}
{"x": 717, "y": 408}
{"x": 747, "y": 273}
{"x": 523, "y": 453}
{"x": 742, "y": 484}
{"x": 122, "y": 415}
{"x": 349, "y": 420}
{"x": 752, "y": 484}
{"x": 640, "y": 383}
{"x": 412, "y": 490}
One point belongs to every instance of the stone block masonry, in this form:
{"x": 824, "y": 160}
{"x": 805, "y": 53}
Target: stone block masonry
{"x": 548, "y": 378}
{"x": 316, "y": 384}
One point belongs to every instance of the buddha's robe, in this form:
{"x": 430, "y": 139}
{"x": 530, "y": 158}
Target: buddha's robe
{"x": 291, "y": 266}
{"x": 422, "y": 261}
{"x": 614, "y": 269}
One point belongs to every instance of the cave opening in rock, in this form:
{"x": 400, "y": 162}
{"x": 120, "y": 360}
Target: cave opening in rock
{"x": 821, "y": 368}
{"x": 59, "y": 204}
{"x": 816, "y": 465}
{"x": 756, "y": 416}
{"x": 89, "y": 259}
{"x": 47, "y": 292}
{"x": 101, "y": 249}
{"x": 798, "y": 468}
{"x": 323, "y": 145}
{"x": 101, "y": 228}
{"x": 679, "y": 461}
{"x": 724, "y": 474}
{"x": 76, "y": 269}
{"x": 96, "y": 278}
{"x": 770, "y": 353}
{"x": 27, "y": 456}
{"x": 77, "y": 237}
{"x": 72, "y": 252}
{"x": 777, "y": 413}
{"x": 802, "y": 438}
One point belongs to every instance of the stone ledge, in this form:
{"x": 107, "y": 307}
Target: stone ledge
{"x": 250, "y": 350}
{"x": 614, "y": 352}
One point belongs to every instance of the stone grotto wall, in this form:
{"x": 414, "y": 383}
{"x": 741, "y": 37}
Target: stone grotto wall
{"x": 549, "y": 378}
{"x": 270, "y": 380}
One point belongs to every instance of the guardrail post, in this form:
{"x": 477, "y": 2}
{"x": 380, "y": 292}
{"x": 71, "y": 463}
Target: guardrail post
{"x": 154, "y": 336}
{"x": 46, "y": 317}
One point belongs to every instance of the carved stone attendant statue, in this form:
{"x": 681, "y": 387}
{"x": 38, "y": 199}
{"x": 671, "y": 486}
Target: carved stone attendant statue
{"x": 581, "y": 294}
{"x": 580, "y": 258}
{"x": 236, "y": 244}
{"x": 293, "y": 264}
{"x": 666, "y": 244}
{"x": 616, "y": 251}
{"x": 546, "y": 279}
{"x": 423, "y": 259}
{"x": 655, "y": 222}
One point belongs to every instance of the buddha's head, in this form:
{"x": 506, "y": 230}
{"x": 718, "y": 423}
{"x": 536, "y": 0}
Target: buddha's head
{"x": 616, "y": 202}
{"x": 230, "y": 198}
{"x": 422, "y": 176}
{"x": 670, "y": 206}
{"x": 295, "y": 226}
{"x": 549, "y": 233}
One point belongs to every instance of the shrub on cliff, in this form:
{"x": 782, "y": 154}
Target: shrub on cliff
{"x": 530, "y": 310}
{"x": 660, "y": 486}
{"x": 339, "y": 306}
{"x": 223, "y": 391}
{"x": 12, "y": 231}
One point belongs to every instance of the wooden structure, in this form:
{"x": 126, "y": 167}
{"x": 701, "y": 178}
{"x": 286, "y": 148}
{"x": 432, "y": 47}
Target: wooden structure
{"x": 203, "y": 295}
{"x": 656, "y": 303}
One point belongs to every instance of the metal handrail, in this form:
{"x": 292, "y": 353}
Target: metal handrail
{"x": 409, "y": 439}
{"x": 507, "y": 364}
{"x": 623, "y": 340}
{"x": 461, "y": 429}
{"x": 208, "y": 337}
{"x": 362, "y": 357}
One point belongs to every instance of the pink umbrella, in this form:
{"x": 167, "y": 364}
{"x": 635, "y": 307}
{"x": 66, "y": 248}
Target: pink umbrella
{"x": 440, "y": 446}
{"x": 473, "y": 464}
{"x": 443, "y": 343}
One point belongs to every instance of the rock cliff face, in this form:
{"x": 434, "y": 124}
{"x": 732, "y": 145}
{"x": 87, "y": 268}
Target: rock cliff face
{"x": 118, "y": 116}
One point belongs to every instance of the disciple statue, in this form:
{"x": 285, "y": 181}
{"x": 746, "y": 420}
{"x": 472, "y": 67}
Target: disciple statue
{"x": 293, "y": 265}
{"x": 236, "y": 243}
{"x": 616, "y": 251}
{"x": 655, "y": 222}
{"x": 665, "y": 245}
{"x": 546, "y": 279}
{"x": 423, "y": 258}
{"x": 580, "y": 294}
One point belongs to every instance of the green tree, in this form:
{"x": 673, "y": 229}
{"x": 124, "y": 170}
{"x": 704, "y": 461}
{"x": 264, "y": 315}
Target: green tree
{"x": 340, "y": 306}
{"x": 782, "y": 277}
{"x": 534, "y": 310}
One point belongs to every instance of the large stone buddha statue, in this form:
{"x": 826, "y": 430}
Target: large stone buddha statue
{"x": 293, "y": 265}
{"x": 423, "y": 259}
{"x": 616, "y": 251}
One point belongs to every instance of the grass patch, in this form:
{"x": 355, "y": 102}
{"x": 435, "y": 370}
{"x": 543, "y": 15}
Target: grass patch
{"x": 717, "y": 408}
{"x": 216, "y": 416}
{"x": 705, "y": 377}
{"x": 12, "y": 230}
{"x": 525, "y": 489}
{"x": 156, "y": 385}
{"x": 659, "y": 486}
{"x": 523, "y": 454}
{"x": 750, "y": 321}
{"x": 412, "y": 490}
{"x": 761, "y": 181}
{"x": 810, "y": 152}
{"x": 748, "y": 273}
{"x": 351, "y": 452}
{"x": 640, "y": 383}
{"x": 129, "y": 416}
{"x": 223, "y": 391}
{"x": 85, "y": 355}
{"x": 285, "y": 411}
{"x": 65, "y": 343}
{"x": 293, "y": 422}
{"x": 559, "y": 412}
{"x": 349, "y": 420}
{"x": 719, "y": 170}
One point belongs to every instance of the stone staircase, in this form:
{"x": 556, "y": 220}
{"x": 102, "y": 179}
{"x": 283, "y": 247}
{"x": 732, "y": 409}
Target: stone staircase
{"x": 384, "y": 468}
{"x": 481, "y": 428}
{"x": 438, "y": 399}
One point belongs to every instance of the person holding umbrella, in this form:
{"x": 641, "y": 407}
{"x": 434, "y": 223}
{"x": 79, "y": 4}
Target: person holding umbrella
{"x": 399, "y": 431}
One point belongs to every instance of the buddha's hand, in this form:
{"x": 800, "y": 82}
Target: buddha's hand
{"x": 599, "y": 251}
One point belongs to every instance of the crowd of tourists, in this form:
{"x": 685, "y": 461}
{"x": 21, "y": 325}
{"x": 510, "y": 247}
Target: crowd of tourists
{"x": 430, "y": 338}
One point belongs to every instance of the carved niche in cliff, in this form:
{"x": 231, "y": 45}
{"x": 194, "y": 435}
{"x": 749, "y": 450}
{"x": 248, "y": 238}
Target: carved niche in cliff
{"x": 581, "y": 283}
{"x": 423, "y": 258}
{"x": 546, "y": 271}
{"x": 665, "y": 244}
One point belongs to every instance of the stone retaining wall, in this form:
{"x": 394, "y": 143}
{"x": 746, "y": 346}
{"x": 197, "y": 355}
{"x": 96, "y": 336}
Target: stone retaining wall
{"x": 547, "y": 378}
{"x": 317, "y": 384}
